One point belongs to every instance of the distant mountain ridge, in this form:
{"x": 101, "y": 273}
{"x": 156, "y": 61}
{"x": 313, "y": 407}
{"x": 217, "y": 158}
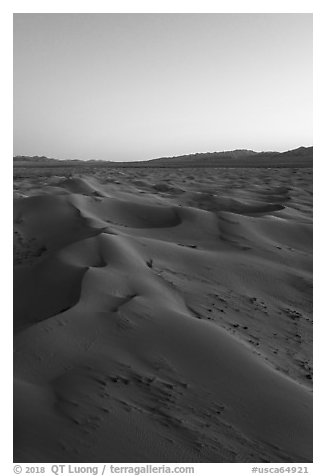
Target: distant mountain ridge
{"x": 300, "y": 157}
{"x": 43, "y": 160}
{"x": 212, "y": 156}
{"x": 306, "y": 152}
{"x": 235, "y": 154}
{"x": 34, "y": 158}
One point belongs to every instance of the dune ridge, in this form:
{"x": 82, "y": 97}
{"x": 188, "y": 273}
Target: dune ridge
{"x": 163, "y": 316}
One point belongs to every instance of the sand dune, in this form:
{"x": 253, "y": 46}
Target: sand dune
{"x": 163, "y": 316}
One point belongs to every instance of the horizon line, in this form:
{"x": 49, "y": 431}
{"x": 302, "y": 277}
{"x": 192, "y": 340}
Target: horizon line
{"x": 165, "y": 157}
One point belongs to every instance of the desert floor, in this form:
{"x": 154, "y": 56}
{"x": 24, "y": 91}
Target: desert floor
{"x": 163, "y": 315}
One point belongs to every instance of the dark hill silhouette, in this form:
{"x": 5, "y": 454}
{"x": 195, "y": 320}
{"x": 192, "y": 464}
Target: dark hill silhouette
{"x": 34, "y": 158}
{"x": 233, "y": 154}
{"x": 300, "y": 157}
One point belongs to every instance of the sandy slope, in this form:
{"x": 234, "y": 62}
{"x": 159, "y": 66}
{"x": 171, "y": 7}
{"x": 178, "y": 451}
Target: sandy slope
{"x": 164, "y": 316}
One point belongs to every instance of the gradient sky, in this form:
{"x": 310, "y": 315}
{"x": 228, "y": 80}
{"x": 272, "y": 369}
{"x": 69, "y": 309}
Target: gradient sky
{"x": 140, "y": 86}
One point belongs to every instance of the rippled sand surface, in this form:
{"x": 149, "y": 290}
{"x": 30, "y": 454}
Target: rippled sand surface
{"x": 163, "y": 315}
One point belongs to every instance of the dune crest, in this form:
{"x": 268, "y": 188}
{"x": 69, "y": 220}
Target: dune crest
{"x": 164, "y": 315}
